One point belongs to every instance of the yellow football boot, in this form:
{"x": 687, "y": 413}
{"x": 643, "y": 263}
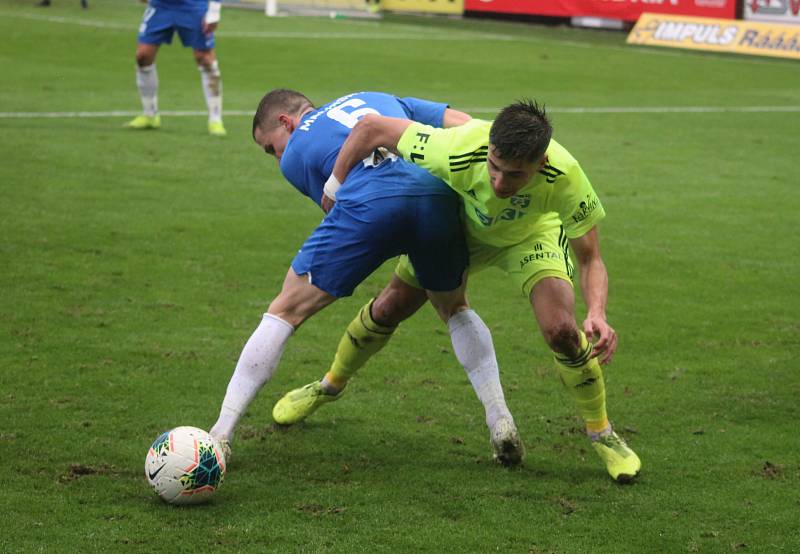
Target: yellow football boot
{"x": 621, "y": 462}
{"x": 300, "y": 403}
{"x": 143, "y": 122}
{"x": 216, "y": 129}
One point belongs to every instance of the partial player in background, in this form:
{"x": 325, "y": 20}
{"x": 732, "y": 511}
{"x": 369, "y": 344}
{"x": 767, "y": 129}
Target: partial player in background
{"x": 195, "y": 22}
{"x": 526, "y": 201}
{"x": 390, "y": 207}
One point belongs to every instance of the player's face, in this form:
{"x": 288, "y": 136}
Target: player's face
{"x": 509, "y": 176}
{"x": 273, "y": 142}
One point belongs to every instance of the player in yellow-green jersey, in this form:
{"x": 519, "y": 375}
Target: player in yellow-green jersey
{"x": 526, "y": 201}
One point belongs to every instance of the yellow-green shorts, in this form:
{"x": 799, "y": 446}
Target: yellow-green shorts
{"x": 542, "y": 255}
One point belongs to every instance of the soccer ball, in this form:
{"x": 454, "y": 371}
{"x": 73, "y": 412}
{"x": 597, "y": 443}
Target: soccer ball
{"x": 185, "y": 466}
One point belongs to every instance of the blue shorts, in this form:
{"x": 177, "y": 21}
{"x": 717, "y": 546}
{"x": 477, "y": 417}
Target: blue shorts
{"x": 355, "y": 239}
{"x": 159, "y": 25}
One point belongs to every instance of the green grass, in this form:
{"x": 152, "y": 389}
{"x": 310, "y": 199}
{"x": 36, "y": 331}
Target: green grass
{"x": 135, "y": 265}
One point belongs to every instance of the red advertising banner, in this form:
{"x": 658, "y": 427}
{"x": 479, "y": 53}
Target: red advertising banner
{"x": 626, "y": 10}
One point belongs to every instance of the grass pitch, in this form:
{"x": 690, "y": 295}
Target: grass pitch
{"x": 135, "y": 266}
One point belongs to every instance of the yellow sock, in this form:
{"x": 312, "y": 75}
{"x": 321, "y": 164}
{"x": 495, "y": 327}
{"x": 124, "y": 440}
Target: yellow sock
{"x": 583, "y": 379}
{"x": 362, "y": 339}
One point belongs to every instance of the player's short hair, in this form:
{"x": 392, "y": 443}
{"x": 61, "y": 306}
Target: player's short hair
{"x": 275, "y": 102}
{"x": 521, "y": 131}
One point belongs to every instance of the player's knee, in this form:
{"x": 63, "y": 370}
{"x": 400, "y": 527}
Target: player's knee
{"x": 205, "y": 59}
{"x": 145, "y": 57}
{"x": 290, "y": 311}
{"x": 384, "y": 311}
{"x": 448, "y": 306}
{"x": 298, "y": 301}
{"x": 397, "y": 302}
{"x": 392, "y": 306}
{"x": 563, "y": 338}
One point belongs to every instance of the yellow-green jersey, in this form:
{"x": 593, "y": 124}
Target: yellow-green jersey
{"x": 458, "y": 156}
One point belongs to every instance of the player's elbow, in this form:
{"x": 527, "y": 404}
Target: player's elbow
{"x": 373, "y": 131}
{"x": 368, "y": 128}
{"x": 454, "y": 118}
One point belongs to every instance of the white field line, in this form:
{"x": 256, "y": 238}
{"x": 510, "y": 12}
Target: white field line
{"x": 480, "y": 110}
{"x": 451, "y": 36}
{"x": 301, "y": 35}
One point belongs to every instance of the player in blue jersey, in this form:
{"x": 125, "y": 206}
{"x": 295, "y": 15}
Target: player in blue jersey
{"x": 195, "y": 22}
{"x": 390, "y": 207}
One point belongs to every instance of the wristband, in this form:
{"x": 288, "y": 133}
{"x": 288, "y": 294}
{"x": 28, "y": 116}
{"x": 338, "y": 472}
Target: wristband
{"x": 332, "y": 185}
{"x": 213, "y": 13}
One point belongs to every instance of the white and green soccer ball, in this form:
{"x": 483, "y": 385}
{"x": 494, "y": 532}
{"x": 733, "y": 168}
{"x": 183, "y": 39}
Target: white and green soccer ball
{"x": 185, "y": 466}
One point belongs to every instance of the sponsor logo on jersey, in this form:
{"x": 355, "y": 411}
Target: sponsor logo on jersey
{"x": 539, "y": 253}
{"x": 585, "y": 208}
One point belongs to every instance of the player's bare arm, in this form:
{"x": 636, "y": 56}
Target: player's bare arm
{"x": 594, "y": 285}
{"x": 454, "y": 118}
{"x": 371, "y": 132}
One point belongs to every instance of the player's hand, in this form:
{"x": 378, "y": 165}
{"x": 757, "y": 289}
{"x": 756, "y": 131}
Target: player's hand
{"x": 604, "y": 337}
{"x": 327, "y": 203}
{"x": 209, "y": 28}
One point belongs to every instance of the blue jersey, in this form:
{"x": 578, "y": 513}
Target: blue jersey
{"x": 183, "y": 5}
{"x": 311, "y": 151}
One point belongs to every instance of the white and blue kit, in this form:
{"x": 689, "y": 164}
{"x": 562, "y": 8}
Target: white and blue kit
{"x": 162, "y": 18}
{"x": 385, "y": 208}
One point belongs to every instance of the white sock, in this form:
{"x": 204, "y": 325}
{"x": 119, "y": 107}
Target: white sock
{"x": 257, "y": 363}
{"x": 147, "y": 81}
{"x": 472, "y": 343}
{"x": 212, "y": 89}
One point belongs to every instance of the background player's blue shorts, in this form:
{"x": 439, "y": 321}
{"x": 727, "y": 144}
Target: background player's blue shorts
{"x": 159, "y": 25}
{"x": 355, "y": 239}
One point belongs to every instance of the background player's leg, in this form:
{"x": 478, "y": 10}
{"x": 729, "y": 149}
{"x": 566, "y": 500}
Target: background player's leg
{"x": 211, "y": 80}
{"x": 297, "y": 301}
{"x": 147, "y": 83}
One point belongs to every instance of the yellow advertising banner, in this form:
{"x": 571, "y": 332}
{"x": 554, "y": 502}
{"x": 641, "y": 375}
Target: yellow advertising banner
{"x": 424, "y": 6}
{"x": 717, "y": 35}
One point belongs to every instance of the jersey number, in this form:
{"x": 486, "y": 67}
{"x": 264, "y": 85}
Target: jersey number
{"x": 350, "y": 118}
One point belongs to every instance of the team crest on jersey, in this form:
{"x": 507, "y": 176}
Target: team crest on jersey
{"x": 518, "y": 202}
{"x": 521, "y": 200}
